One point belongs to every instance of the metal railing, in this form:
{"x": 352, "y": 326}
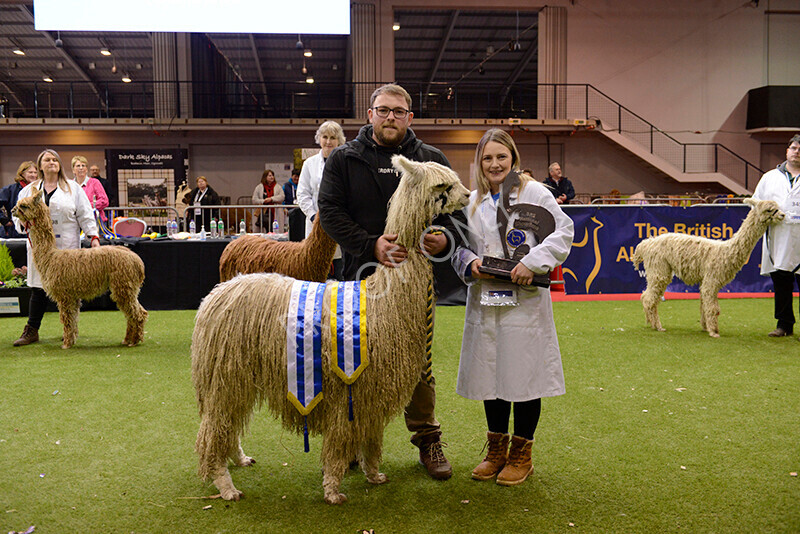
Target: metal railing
{"x": 436, "y": 100}
{"x": 563, "y": 101}
{"x": 155, "y": 217}
{"x": 258, "y": 218}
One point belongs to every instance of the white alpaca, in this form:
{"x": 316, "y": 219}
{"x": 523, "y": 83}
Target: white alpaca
{"x": 239, "y": 349}
{"x": 698, "y": 260}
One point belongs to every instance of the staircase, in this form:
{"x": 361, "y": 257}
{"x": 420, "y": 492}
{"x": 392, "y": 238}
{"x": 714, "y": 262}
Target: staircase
{"x": 683, "y": 162}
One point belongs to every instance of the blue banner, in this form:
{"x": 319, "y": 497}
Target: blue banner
{"x": 606, "y": 236}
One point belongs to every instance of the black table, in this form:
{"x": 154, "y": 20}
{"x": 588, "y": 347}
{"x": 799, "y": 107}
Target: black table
{"x": 180, "y": 273}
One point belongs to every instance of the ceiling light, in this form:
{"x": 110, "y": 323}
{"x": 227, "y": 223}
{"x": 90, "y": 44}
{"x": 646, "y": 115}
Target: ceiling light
{"x": 299, "y": 44}
{"x": 126, "y": 78}
{"x": 304, "y": 70}
{"x": 309, "y": 79}
{"x": 334, "y": 67}
{"x": 288, "y": 66}
{"x": 16, "y": 48}
{"x": 395, "y": 26}
{"x": 60, "y": 65}
{"x": 307, "y": 52}
{"x": 47, "y": 78}
{"x": 105, "y": 51}
{"x": 92, "y": 65}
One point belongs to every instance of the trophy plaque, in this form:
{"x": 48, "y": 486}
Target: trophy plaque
{"x": 535, "y": 219}
{"x": 501, "y": 268}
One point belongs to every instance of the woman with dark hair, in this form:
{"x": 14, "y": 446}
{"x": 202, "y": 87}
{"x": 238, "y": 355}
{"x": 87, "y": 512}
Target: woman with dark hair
{"x": 202, "y": 195}
{"x": 266, "y": 192}
{"x": 26, "y": 173}
{"x": 71, "y": 213}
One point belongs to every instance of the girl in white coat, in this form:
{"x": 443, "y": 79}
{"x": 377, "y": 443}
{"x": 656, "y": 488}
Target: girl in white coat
{"x": 71, "y": 212}
{"x": 329, "y": 135}
{"x": 509, "y": 353}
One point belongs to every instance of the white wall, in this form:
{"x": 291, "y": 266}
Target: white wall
{"x": 683, "y": 65}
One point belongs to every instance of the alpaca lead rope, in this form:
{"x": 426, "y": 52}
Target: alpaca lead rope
{"x": 428, "y": 335}
{"x": 426, "y": 371}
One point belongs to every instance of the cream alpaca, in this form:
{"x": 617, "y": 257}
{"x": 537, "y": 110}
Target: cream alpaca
{"x": 698, "y": 260}
{"x": 239, "y": 349}
{"x": 309, "y": 259}
{"x": 72, "y": 275}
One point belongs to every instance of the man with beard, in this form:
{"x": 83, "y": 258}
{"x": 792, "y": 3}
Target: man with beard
{"x": 356, "y": 186}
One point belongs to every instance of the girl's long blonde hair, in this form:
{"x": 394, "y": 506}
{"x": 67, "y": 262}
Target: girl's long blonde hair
{"x": 498, "y": 136}
{"x": 62, "y": 178}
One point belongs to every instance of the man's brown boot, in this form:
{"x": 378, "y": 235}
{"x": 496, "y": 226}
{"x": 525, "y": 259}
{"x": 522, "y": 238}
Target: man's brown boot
{"x": 496, "y": 456}
{"x": 519, "y": 464}
{"x": 432, "y": 457}
{"x": 29, "y": 335}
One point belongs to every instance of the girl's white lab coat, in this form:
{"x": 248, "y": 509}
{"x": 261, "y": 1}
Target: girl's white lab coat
{"x": 70, "y": 212}
{"x": 511, "y": 353}
{"x": 780, "y": 246}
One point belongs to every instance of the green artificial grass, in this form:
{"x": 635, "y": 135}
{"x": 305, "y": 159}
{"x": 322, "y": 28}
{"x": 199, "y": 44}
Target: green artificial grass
{"x": 658, "y": 432}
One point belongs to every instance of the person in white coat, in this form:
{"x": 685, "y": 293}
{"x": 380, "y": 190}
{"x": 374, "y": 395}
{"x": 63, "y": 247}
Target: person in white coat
{"x": 71, "y": 212}
{"x": 329, "y": 135}
{"x": 780, "y": 247}
{"x": 509, "y": 353}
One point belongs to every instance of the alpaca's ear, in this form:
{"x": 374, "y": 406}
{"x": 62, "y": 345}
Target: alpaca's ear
{"x": 37, "y": 193}
{"x": 407, "y": 167}
{"x": 750, "y": 201}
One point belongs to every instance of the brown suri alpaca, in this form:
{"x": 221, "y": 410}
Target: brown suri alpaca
{"x": 239, "y": 349}
{"x": 72, "y": 275}
{"x": 698, "y": 260}
{"x": 309, "y": 259}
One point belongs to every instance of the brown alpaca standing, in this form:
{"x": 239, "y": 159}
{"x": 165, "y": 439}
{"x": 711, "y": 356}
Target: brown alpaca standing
{"x": 309, "y": 259}
{"x": 72, "y": 275}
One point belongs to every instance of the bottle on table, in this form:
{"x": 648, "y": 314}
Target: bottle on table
{"x": 221, "y": 228}
{"x": 202, "y": 232}
{"x": 192, "y": 228}
{"x": 275, "y": 227}
{"x": 242, "y": 228}
{"x": 213, "y": 228}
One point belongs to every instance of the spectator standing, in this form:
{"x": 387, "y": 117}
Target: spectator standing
{"x": 94, "y": 172}
{"x": 329, "y": 136}
{"x": 202, "y": 195}
{"x": 509, "y": 352}
{"x": 290, "y": 188}
{"x": 93, "y": 189}
{"x": 780, "y": 247}
{"x": 26, "y": 173}
{"x": 71, "y": 213}
{"x": 357, "y": 183}
{"x": 266, "y": 192}
{"x": 559, "y": 185}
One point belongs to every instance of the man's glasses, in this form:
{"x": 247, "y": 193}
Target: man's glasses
{"x": 383, "y": 112}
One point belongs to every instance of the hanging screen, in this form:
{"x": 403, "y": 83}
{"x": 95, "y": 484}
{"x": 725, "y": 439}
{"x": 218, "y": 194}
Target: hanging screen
{"x": 212, "y": 16}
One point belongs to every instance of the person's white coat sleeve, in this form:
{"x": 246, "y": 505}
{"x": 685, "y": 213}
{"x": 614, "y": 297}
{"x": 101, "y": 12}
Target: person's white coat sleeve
{"x": 305, "y": 193}
{"x": 258, "y": 195}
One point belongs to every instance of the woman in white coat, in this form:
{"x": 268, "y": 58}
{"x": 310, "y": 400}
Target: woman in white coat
{"x": 71, "y": 212}
{"x": 329, "y": 135}
{"x": 509, "y": 353}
